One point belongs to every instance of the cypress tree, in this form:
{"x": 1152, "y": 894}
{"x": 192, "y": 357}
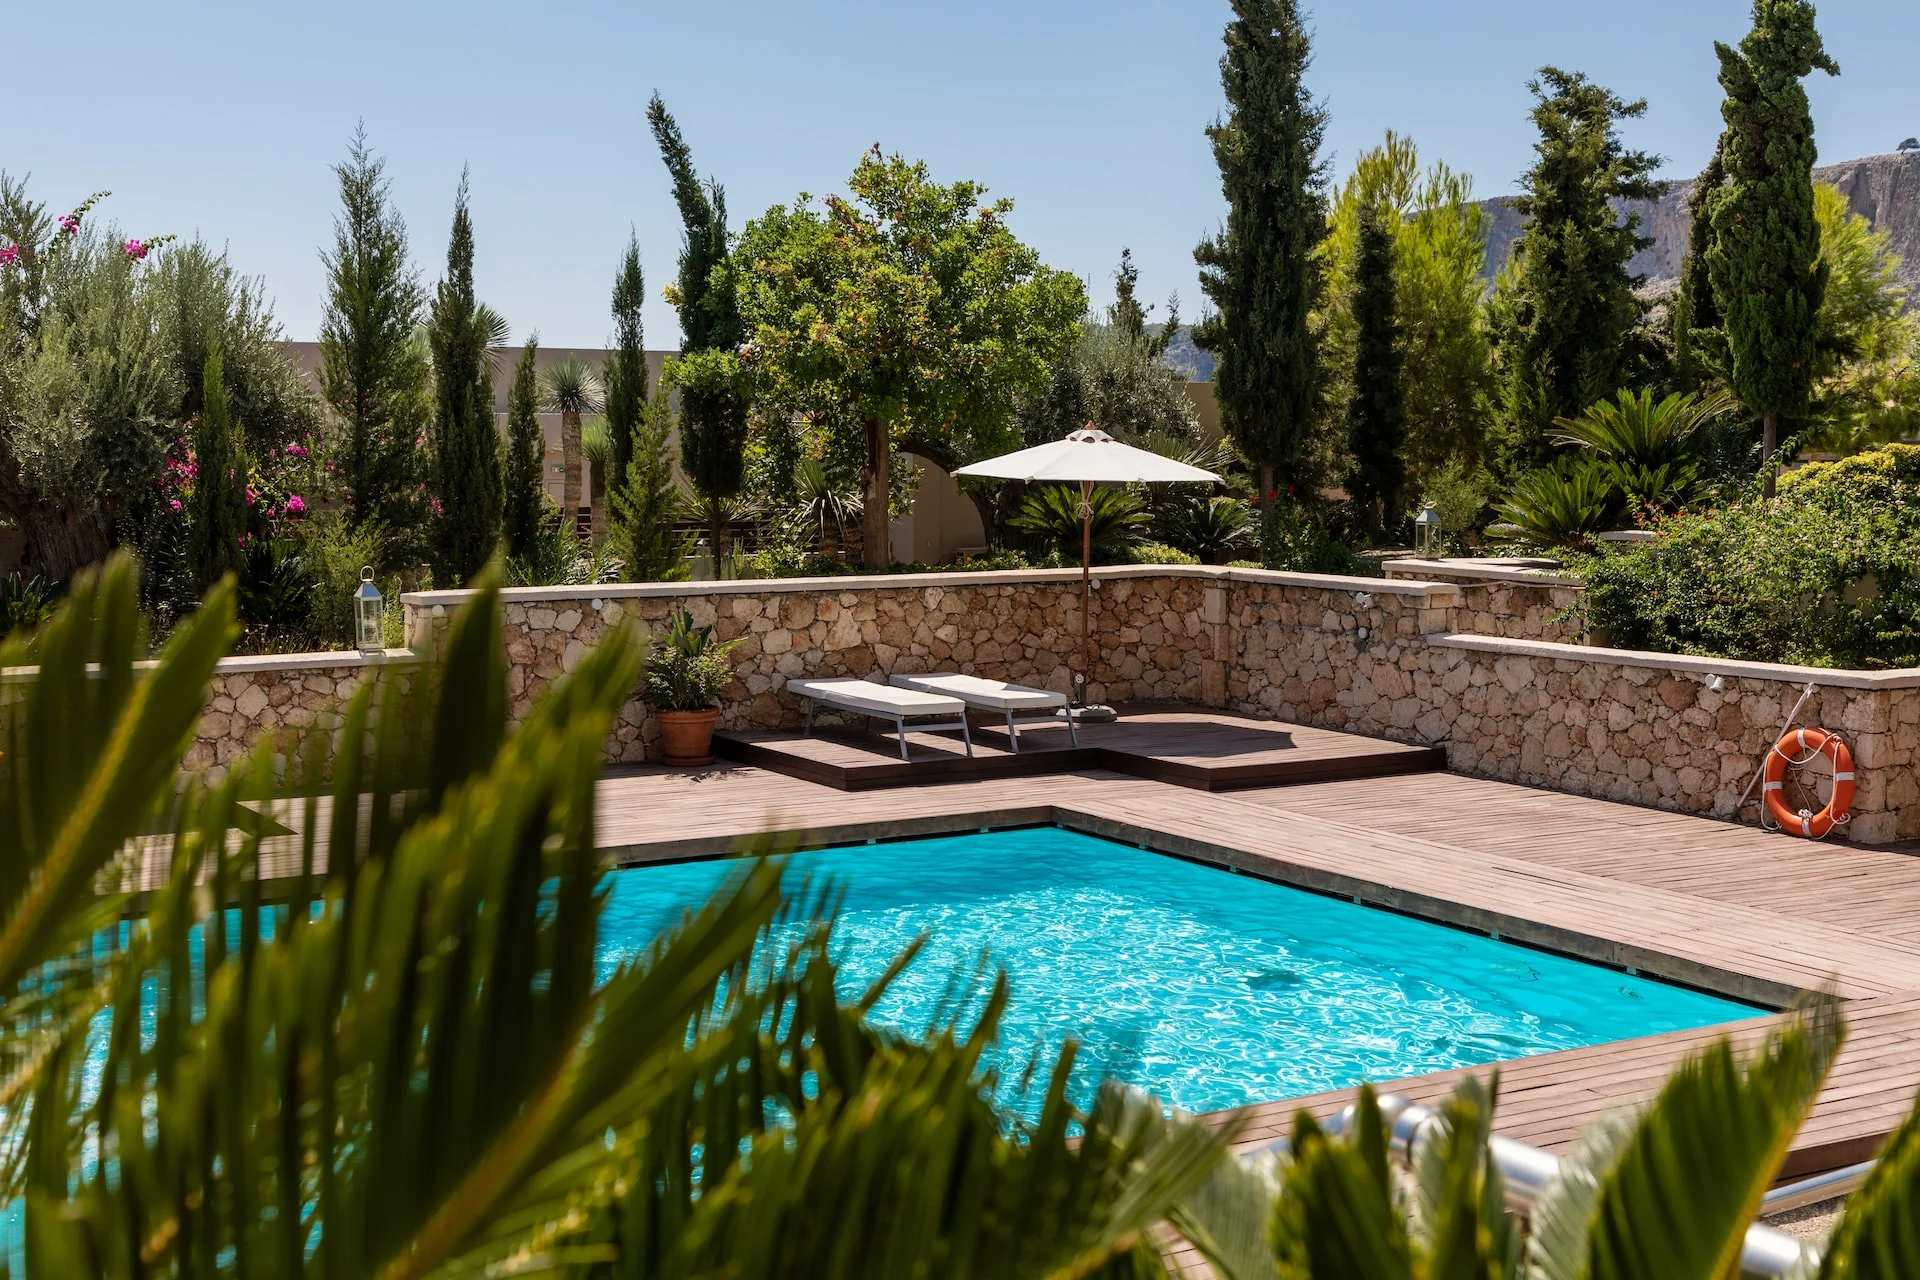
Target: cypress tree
{"x": 1764, "y": 253}
{"x": 1697, "y": 339}
{"x": 1376, "y": 415}
{"x": 713, "y": 413}
{"x": 368, "y": 370}
{"x": 1260, "y": 271}
{"x": 1567, "y": 313}
{"x": 625, "y": 378}
{"x": 649, "y": 546}
{"x": 526, "y": 456}
{"x": 219, "y": 516}
{"x": 466, "y": 445}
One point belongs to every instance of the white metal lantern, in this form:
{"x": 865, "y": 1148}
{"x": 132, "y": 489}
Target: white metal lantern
{"x": 1426, "y": 534}
{"x": 369, "y": 615}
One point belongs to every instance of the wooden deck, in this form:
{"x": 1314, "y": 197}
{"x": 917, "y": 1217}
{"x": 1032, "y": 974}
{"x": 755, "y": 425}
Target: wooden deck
{"x": 1209, "y": 751}
{"x": 1723, "y": 907}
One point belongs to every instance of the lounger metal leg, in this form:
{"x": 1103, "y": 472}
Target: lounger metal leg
{"x": 1013, "y": 732}
{"x": 806, "y": 705}
{"x": 900, "y": 725}
{"x": 1073, "y": 730}
{"x": 966, "y": 732}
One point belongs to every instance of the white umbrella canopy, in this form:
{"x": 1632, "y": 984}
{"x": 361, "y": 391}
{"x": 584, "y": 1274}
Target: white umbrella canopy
{"x": 1088, "y": 457}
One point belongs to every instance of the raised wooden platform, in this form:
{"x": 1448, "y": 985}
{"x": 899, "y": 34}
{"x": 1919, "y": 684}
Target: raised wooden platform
{"x": 1209, "y": 751}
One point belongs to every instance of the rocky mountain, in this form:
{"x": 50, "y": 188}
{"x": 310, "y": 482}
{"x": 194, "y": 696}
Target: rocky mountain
{"x": 1884, "y": 189}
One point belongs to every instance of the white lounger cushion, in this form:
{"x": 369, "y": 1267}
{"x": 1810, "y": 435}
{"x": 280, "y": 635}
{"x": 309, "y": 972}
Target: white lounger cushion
{"x": 864, "y": 695}
{"x": 995, "y": 695}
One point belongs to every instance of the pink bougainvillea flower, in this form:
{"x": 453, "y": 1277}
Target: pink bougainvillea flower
{"x": 70, "y": 223}
{"x": 175, "y": 504}
{"x": 136, "y": 250}
{"x": 251, "y": 495}
{"x": 296, "y": 505}
{"x": 9, "y": 254}
{"x": 296, "y": 451}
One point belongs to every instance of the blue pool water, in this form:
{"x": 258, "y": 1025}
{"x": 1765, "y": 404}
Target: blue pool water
{"x": 1205, "y": 988}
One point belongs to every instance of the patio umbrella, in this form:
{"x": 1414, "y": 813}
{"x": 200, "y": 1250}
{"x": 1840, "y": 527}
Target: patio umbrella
{"x": 1089, "y": 456}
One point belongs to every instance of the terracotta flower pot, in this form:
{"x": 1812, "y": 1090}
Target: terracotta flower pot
{"x": 686, "y": 737}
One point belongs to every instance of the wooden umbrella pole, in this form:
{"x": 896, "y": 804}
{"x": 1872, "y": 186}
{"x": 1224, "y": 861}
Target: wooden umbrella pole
{"x": 1086, "y": 589}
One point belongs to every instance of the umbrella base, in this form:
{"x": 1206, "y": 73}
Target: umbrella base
{"x": 1096, "y": 714}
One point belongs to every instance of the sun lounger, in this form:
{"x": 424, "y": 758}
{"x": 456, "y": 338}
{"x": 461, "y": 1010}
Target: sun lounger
{"x": 996, "y": 696}
{"x": 884, "y": 702}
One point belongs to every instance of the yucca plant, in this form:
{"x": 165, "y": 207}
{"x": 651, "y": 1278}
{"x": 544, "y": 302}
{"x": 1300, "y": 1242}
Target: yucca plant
{"x": 397, "y": 1062}
{"x": 571, "y": 389}
{"x": 822, "y": 506}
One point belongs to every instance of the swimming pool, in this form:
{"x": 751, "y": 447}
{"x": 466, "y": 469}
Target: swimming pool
{"x": 1206, "y": 988}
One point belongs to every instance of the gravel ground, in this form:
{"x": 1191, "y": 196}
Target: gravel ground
{"x": 1809, "y": 1222}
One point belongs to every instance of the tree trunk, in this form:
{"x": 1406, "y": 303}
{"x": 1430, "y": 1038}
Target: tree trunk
{"x": 597, "y": 499}
{"x": 875, "y": 485}
{"x": 59, "y": 541}
{"x": 1266, "y": 494}
{"x": 1769, "y": 441}
{"x": 570, "y": 466}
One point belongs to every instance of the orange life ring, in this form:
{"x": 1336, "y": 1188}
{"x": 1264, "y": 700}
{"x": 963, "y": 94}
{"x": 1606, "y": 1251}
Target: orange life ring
{"x": 1807, "y": 743}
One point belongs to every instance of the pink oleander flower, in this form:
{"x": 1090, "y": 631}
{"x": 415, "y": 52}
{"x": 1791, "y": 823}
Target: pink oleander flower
{"x": 175, "y": 504}
{"x": 251, "y": 495}
{"x": 70, "y": 223}
{"x": 296, "y": 451}
{"x": 136, "y": 250}
{"x": 296, "y": 505}
{"x": 9, "y": 254}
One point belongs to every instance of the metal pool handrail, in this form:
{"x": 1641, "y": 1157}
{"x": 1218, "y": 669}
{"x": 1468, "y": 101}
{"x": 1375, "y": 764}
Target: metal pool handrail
{"x": 1526, "y": 1172}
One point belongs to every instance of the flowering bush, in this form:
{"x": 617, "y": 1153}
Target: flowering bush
{"x": 1824, "y": 575}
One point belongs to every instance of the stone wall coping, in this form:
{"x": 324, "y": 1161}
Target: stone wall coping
{"x": 1828, "y": 677}
{"x": 1480, "y": 571}
{"x": 1434, "y": 591}
{"x": 261, "y": 662}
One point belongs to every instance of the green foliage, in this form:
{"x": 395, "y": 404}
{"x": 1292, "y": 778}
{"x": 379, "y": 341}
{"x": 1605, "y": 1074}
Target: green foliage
{"x": 1867, "y": 370}
{"x": 714, "y": 399}
{"x": 1050, "y": 517}
{"x": 686, "y": 666}
{"x": 371, "y": 371}
{"x": 332, "y": 553}
{"x": 1113, "y": 382}
{"x": 823, "y": 507}
{"x": 1558, "y": 507}
{"x": 1260, "y": 271}
{"x": 1158, "y": 553}
{"x": 559, "y": 557}
{"x": 276, "y": 589}
{"x": 1302, "y": 539}
{"x": 625, "y": 375}
{"x": 26, "y": 601}
{"x": 467, "y": 480}
{"x": 1439, "y": 251}
{"x": 1823, "y": 575}
{"x": 1209, "y": 527}
{"x": 704, "y": 292}
{"x": 1564, "y": 313}
{"x": 526, "y": 492}
{"x": 907, "y": 312}
{"x": 1458, "y": 496}
{"x": 219, "y": 514}
{"x": 1376, "y": 413}
{"x": 643, "y": 534}
{"x": 1763, "y": 255}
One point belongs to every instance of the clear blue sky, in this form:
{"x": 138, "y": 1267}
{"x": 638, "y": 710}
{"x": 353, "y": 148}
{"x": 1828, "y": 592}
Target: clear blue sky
{"x": 223, "y": 119}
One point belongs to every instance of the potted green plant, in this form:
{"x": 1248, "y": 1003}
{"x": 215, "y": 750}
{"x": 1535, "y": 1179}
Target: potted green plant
{"x": 686, "y": 668}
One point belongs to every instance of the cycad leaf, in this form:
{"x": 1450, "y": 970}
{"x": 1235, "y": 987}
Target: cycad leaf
{"x": 1337, "y": 1215}
{"x": 1226, "y": 1220}
{"x": 1878, "y": 1235}
{"x": 1680, "y": 1200}
{"x": 1558, "y": 1245}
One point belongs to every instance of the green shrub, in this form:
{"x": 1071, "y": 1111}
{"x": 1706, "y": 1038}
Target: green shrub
{"x": 1206, "y": 527}
{"x": 1824, "y": 575}
{"x": 1559, "y": 508}
{"x": 686, "y": 666}
{"x": 1159, "y": 553}
{"x": 332, "y": 555}
{"x": 1051, "y": 516}
{"x": 1303, "y": 541}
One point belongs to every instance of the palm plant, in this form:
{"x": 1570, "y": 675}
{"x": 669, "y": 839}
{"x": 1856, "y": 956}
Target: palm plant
{"x": 570, "y": 388}
{"x": 1562, "y": 507}
{"x": 1213, "y": 528}
{"x": 403, "y": 1065}
{"x": 596, "y": 446}
{"x": 1654, "y": 449}
{"x": 819, "y": 503}
{"x": 1050, "y": 515}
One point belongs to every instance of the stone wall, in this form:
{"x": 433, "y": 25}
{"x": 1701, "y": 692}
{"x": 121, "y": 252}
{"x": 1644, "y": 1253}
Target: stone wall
{"x": 1480, "y": 667}
{"x": 255, "y": 697}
